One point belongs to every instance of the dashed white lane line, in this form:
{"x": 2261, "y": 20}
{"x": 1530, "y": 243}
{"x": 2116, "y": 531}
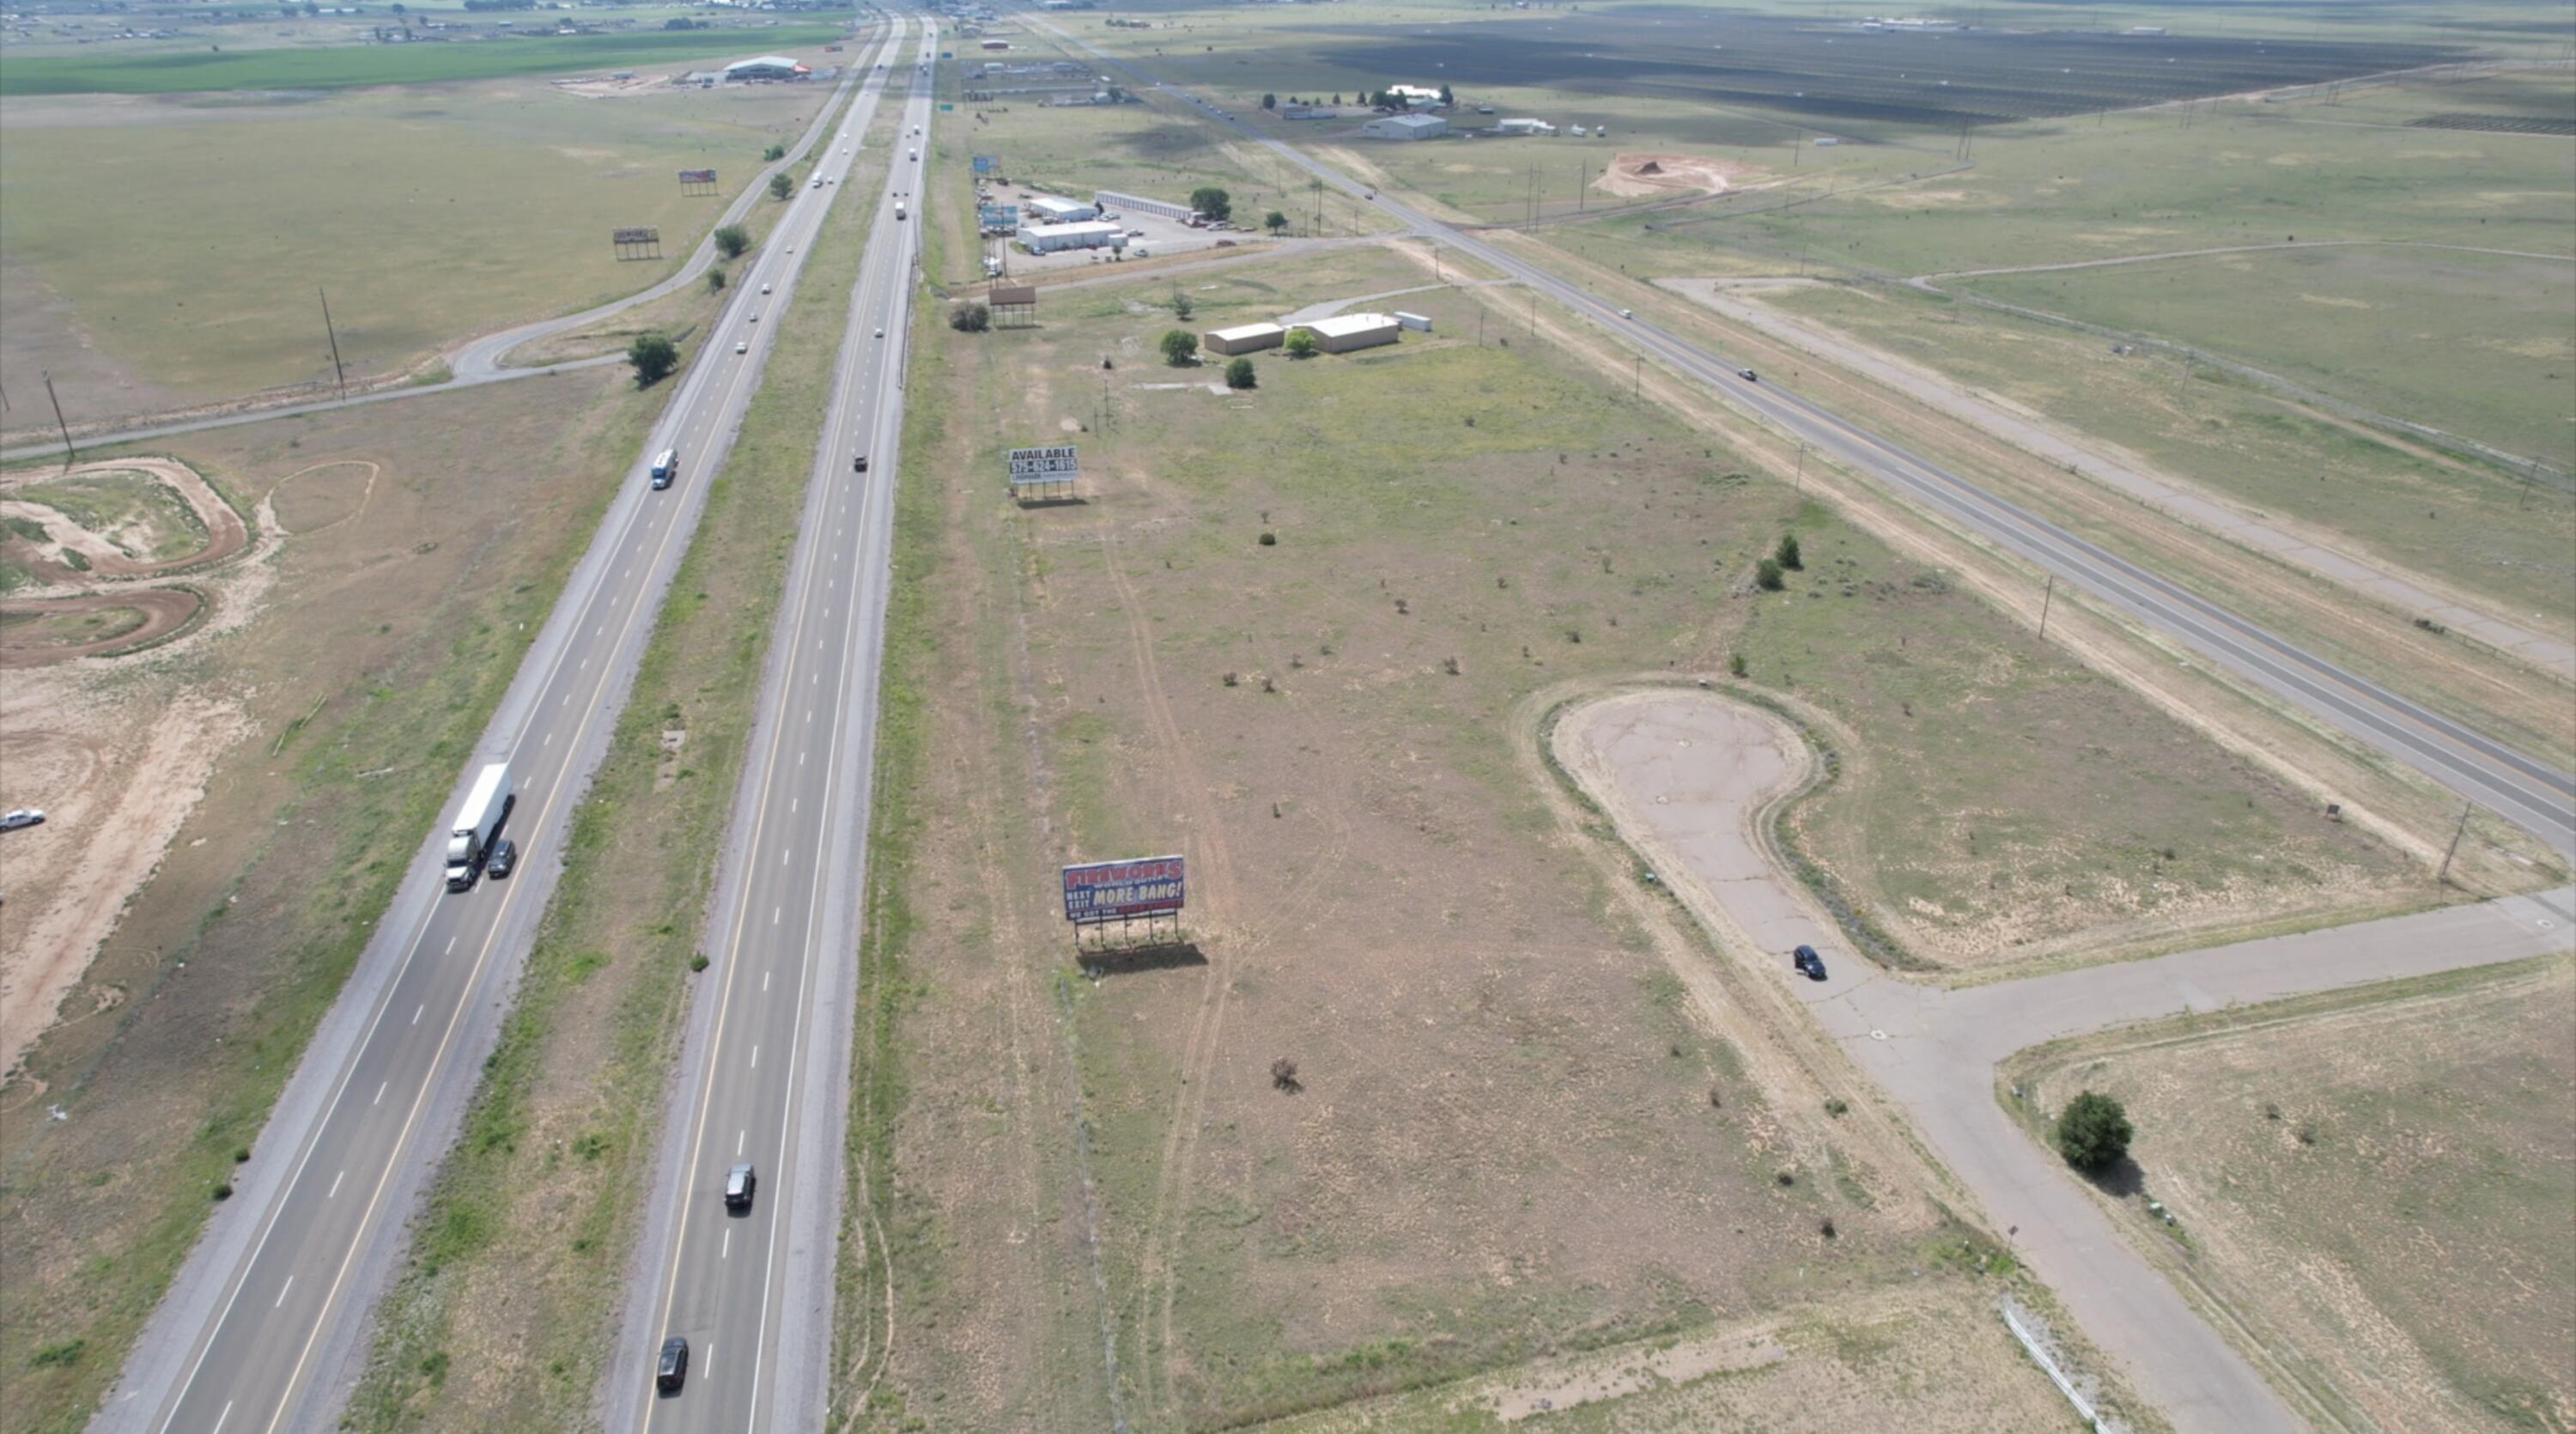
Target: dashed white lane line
{"x": 451, "y": 945}
{"x": 741, "y": 1139}
{"x": 773, "y": 914}
{"x": 335, "y": 1184}
{"x": 416, "y": 1012}
{"x": 755, "y": 1057}
{"x": 792, "y": 804}
{"x": 726, "y": 1253}
{"x": 281, "y": 1293}
{"x": 380, "y": 1093}
{"x": 220, "y": 1418}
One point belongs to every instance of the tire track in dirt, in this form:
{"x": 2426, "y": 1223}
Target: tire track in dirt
{"x": 1198, "y": 1053}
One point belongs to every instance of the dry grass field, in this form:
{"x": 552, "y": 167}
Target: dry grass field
{"x": 1292, "y": 632}
{"x": 2376, "y": 1183}
{"x": 286, "y": 755}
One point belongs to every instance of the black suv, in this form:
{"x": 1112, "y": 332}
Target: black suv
{"x": 673, "y": 1370}
{"x": 1809, "y": 964}
{"x": 505, "y": 855}
{"x": 740, "y": 1181}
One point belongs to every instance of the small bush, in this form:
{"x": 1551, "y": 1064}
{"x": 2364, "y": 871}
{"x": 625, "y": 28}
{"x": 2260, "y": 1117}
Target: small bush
{"x": 1180, "y": 348}
{"x": 1233, "y": 679}
{"x": 1766, "y": 575}
{"x": 715, "y": 281}
{"x": 1836, "y": 1106}
{"x": 1825, "y": 1227}
{"x": 1735, "y": 664}
{"x": 970, "y": 318}
{"x": 57, "y": 1355}
{"x": 1240, "y": 374}
{"x": 241, "y": 1155}
{"x": 1283, "y": 1075}
{"x": 1786, "y": 555}
{"x": 1786, "y": 1178}
{"x": 223, "y": 1190}
{"x": 1270, "y": 540}
{"x": 697, "y": 960}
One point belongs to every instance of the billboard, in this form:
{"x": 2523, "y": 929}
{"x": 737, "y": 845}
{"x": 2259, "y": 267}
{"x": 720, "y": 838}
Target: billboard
{"x": 697, "y": 176}
{"x": 636, "y": 236}
{"x": 1113, "y": 890}
{"x": 1056, "y": 464}
{"x": 985, "y": 163}
{"x": 997, "y": 216}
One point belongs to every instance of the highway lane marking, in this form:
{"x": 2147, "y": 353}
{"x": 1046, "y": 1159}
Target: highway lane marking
{"x": 635, "y": 516}
{"x": 755, "y": 1055}
{"x": 726, "y": 1253}
{"x": 220, "y": 1418}
{"x": 744, "y": 1135}
{"x": 335, "y": 1184}
{"x": 380, "y": 1093}
{"x": 416, "y": 1013}
{"x": 281, "y": 1292}
{"x": 679, "y": 1245}
{"x": 451, "y": 945}
{"x": 774, "y": 913}
{"x": 764, "y": 982}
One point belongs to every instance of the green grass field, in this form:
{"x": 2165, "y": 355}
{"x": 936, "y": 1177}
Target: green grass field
{"x": 2480, "y": 345}
{"x": 175, "y": 260}
{"x": 336, "y": 67}
{"x": 2489, "y": 533}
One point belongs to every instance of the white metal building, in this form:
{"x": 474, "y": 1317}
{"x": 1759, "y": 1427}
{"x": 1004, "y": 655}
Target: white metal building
{"x": 766, "y": 67}
{"x": 1353, "y": 331}
{"x": 1047, "y": 209}
{"x": 1049, "y": 238}
{"x": 1108, "y": 201}
{"x": 1406, "y": 127}
{"x": 1242, "y": 339}
{"x": 1523, "y": 126}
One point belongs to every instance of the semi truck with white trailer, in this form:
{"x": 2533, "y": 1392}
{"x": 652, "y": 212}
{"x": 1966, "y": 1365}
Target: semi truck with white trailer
{"x": 469, "y": 841}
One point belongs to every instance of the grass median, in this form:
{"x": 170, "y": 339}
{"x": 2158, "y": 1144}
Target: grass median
{"x": 500, "y": 1320}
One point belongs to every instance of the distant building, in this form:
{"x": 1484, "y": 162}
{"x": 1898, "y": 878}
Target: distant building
{"x": 765, "y": 67}
{"x": 1047, "y": 209}
{"x": 996, "y": 44}
{"x": 1406, "y": 127}
{"x": 1415, "y": 95}
{"x": 1242, "y": 339}
{"x": 1353, "y": 331}
{"x": 1051, "y": 238}
{"x": 1110, "y": 201}
{"x": 1523, "y": 126}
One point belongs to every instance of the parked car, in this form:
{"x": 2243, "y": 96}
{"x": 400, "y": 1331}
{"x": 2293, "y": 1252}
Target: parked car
{"x": 740, "y": 1181}
{"x": 1809, "y": 964}
{"x": 504, "y": 857}
{"x": 672, "y": 1370}
{"x": 22, "y": 817}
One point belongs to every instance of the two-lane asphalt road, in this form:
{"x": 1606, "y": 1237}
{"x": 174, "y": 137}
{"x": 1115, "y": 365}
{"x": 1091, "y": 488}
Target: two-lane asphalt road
{"x": 265, "y": 1318}
{"x": 764, "y": 1071}
{"x": 2532, "y": 795}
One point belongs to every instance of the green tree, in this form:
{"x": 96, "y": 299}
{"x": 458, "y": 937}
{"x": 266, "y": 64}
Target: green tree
{"x": 1787, "y": 553}
{"x": 1181, "y": 307}
{"x": 654, "y": 356}
{"x": 1766, "y": 575}
{"x": 1180, "y": 348}
{"x": 1239, "y": 374}
{"x": 1269, "y": 102}
{"x": 1274, "y": 221}
{"x": 1446, "y": 98}
{"x": 780, "y": 186}
{"x": 970, "y": 318}
{"x": 715, "y": 281}
{"x": 1213, "y": 202}
{"x": 773, "y": 154}
{"x": 1300, "y": 344}
{"x": 732, "y": 240}
{"x": 2093, "y": 1132}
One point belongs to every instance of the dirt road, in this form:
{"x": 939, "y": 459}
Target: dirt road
{"x": 1689, "y": 776}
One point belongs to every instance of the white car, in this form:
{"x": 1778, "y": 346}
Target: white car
{"x": 742, "y": 347}
{"x": 22, "y": 817}
{"x": 880, "y": 333}
{"x": 764, "y": 288}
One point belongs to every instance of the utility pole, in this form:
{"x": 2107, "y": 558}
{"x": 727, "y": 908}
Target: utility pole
{"x": 2456, "y": 833}
{"x": 335, "y": 344}
{"x": 68, "y": 454}
{"x": 2044, "y": 597}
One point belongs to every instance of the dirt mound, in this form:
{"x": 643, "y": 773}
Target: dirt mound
{"x": 47, "y": 630}
{"x": 100, "y": 556}
{"x": 1665, "y": 176}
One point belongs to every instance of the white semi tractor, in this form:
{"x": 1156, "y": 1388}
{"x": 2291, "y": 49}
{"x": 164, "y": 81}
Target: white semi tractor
{"x": 469, "y": 841}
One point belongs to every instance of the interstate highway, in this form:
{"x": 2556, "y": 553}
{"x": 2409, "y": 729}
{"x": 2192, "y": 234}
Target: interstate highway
{"x": 263, "y": 1322}
{"x": 765, "y": 1069}
{"x": 2532, "y": 795}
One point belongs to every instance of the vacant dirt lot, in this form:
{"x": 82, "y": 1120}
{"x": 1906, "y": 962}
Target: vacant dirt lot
{"x": 2376, "y": 1183}
{"x": 401, "y": 554}
{"x": 1663, "y": 176}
